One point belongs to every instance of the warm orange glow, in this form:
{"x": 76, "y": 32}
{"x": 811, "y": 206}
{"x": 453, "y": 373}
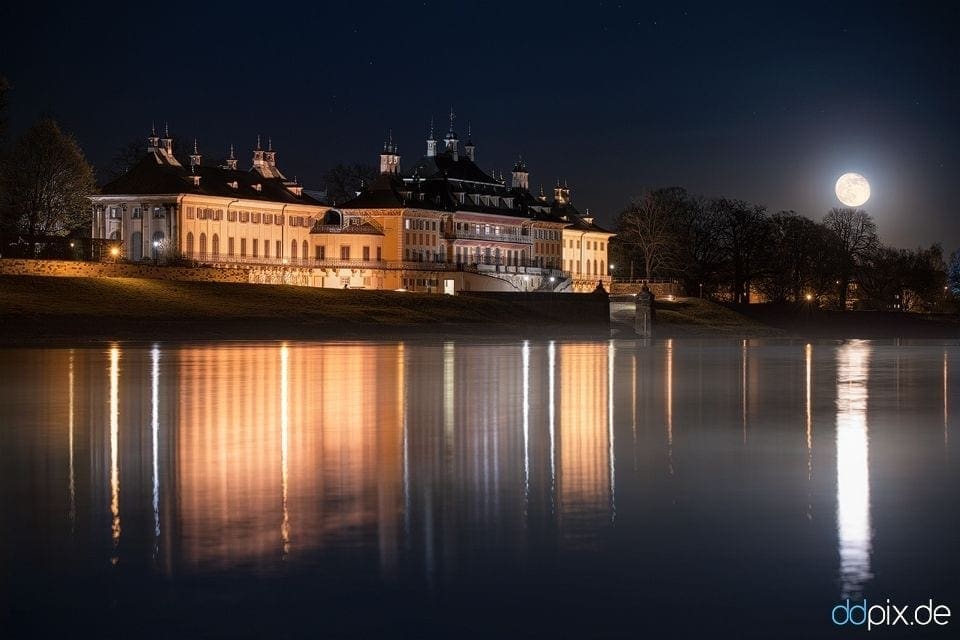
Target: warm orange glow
{"x": 114, "y": 251}
{"x": 114, "y": 449}
{"x": 584, "y": 475}
{"x": 281, "y": 451}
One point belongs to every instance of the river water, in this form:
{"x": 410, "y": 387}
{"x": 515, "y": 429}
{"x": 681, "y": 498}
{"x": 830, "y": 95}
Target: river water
{"x": 475, "y": 488}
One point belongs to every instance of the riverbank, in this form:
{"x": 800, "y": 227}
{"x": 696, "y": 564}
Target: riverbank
{"x": 45, "y": 310}
{"x": 693, "y": 317}
{"x": 37, "y": 309}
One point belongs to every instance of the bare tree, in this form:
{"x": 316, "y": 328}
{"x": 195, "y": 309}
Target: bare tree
{"x": 790, "y": 256}
{"x": 124, "y": 159}
{"x": 343, "y": 182}
{"x": 46, "y": 182}
{"x": 649, "y": 226}
{"x": 743, "y": 231}
{"x": 854, "y": 235}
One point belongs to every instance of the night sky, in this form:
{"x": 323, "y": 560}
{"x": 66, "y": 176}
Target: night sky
{"x": 761, "y": 102}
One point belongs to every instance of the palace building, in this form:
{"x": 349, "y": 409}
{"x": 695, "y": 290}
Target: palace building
{"x": 448, "y": 213}
{"x": 444, "y": 225}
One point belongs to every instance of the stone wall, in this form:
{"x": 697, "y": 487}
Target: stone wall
{"x": 658, "y": 289}
{"x": 77, "y": 269}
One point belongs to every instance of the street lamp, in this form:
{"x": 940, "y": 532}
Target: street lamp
{"x": 115, "y": 252}
{"x": 156, "y": 251}
{"x": 701, "y": 291}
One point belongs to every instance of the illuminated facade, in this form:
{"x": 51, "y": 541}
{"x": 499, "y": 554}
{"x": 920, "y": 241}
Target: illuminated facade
{"x": 468, "y": 229}
{"x": 444, "y": 226}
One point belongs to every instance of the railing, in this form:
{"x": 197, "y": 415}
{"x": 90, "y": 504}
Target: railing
{"x": 514, "y": 238}
{"x": 328, "y": 263}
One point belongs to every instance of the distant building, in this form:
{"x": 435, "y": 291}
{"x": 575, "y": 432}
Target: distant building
{"x": 444, "y": 225}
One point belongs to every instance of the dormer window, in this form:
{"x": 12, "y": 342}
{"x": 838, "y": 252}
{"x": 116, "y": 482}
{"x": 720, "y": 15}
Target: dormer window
{"x": 233, "y": 184}
{"x": 195, "y": 180}
{"x": 258, "y": 187}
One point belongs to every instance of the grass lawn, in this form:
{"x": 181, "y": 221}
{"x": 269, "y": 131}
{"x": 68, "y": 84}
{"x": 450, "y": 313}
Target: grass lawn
{"x": 35, "y": 306}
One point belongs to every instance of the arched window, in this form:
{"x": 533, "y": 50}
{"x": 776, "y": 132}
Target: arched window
{"x": 190, "y": 243}
{"x": 203, "y": 244}
{"x": 215, "y": 245}
{"x": 588, "y": 267}
{"x": 595, "y": 268}
{"x": 602, "y": 272}
{"x": 306, "y": 250}
{"x": 293, "y": 249}
{"x": 136, "y": 246}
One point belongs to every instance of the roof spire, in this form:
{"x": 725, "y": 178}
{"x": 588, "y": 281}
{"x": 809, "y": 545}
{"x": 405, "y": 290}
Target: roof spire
{"x": 269, "y": 144}
{"x": 452, "y": 116}
{"x": 232, "y": 156}
{"x": 431, "y": 129}
{"x": 166, "y": 130}
{"x": 258, "y": 147}
{"x": 195, "y": 146}
{"x": 153, "y": 128}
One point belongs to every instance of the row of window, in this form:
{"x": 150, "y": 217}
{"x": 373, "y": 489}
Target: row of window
{"x": 116, "y": 213}
{"x": 420, "y": 239}
{"x": 254, "y": 217}
{"x": 235, "y": 249}
{"x": 592, "y": 268}
{"x": 592, "y": 245}
{"x": 420, "y": 225}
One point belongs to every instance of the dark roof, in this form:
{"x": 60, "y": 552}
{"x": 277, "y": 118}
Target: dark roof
{"x": 568, "y": 213}
{"x": 443, "y": 165}
{"x": 154, "y": 175}
{"x": 437, "y": 182}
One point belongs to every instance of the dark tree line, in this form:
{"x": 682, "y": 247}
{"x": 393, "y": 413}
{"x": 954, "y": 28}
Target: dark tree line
{"x": 738, "y": 251}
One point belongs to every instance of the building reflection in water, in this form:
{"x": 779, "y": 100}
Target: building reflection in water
{"x": 587, "y": 466}
{"x": 114, "y": 448}
{"x": 946, "y": 430}
{"x": 218, "y": 457}
{"x": 853, "y": 475}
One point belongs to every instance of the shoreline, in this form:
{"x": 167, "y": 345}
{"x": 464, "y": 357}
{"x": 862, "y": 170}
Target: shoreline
{"x": 42, "y": 310}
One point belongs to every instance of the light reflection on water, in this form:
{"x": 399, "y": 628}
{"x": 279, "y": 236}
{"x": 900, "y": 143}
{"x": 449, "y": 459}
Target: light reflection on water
{"x": 853, "y": 469}
{"x": 440, "y": 459}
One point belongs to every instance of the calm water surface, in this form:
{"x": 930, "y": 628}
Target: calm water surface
{"x": 475, "y": 488}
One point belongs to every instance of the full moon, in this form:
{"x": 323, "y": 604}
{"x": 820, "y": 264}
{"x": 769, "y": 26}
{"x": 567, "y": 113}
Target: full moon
{"x": 853, "y": 189}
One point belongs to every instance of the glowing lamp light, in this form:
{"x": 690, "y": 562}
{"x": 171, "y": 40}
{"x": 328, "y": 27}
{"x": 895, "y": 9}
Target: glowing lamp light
{"x": 809, "y": 297}
{"x": 156, "y": 243}
{"x": 114, "y": 251}
{"x": 552, "y": 279}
